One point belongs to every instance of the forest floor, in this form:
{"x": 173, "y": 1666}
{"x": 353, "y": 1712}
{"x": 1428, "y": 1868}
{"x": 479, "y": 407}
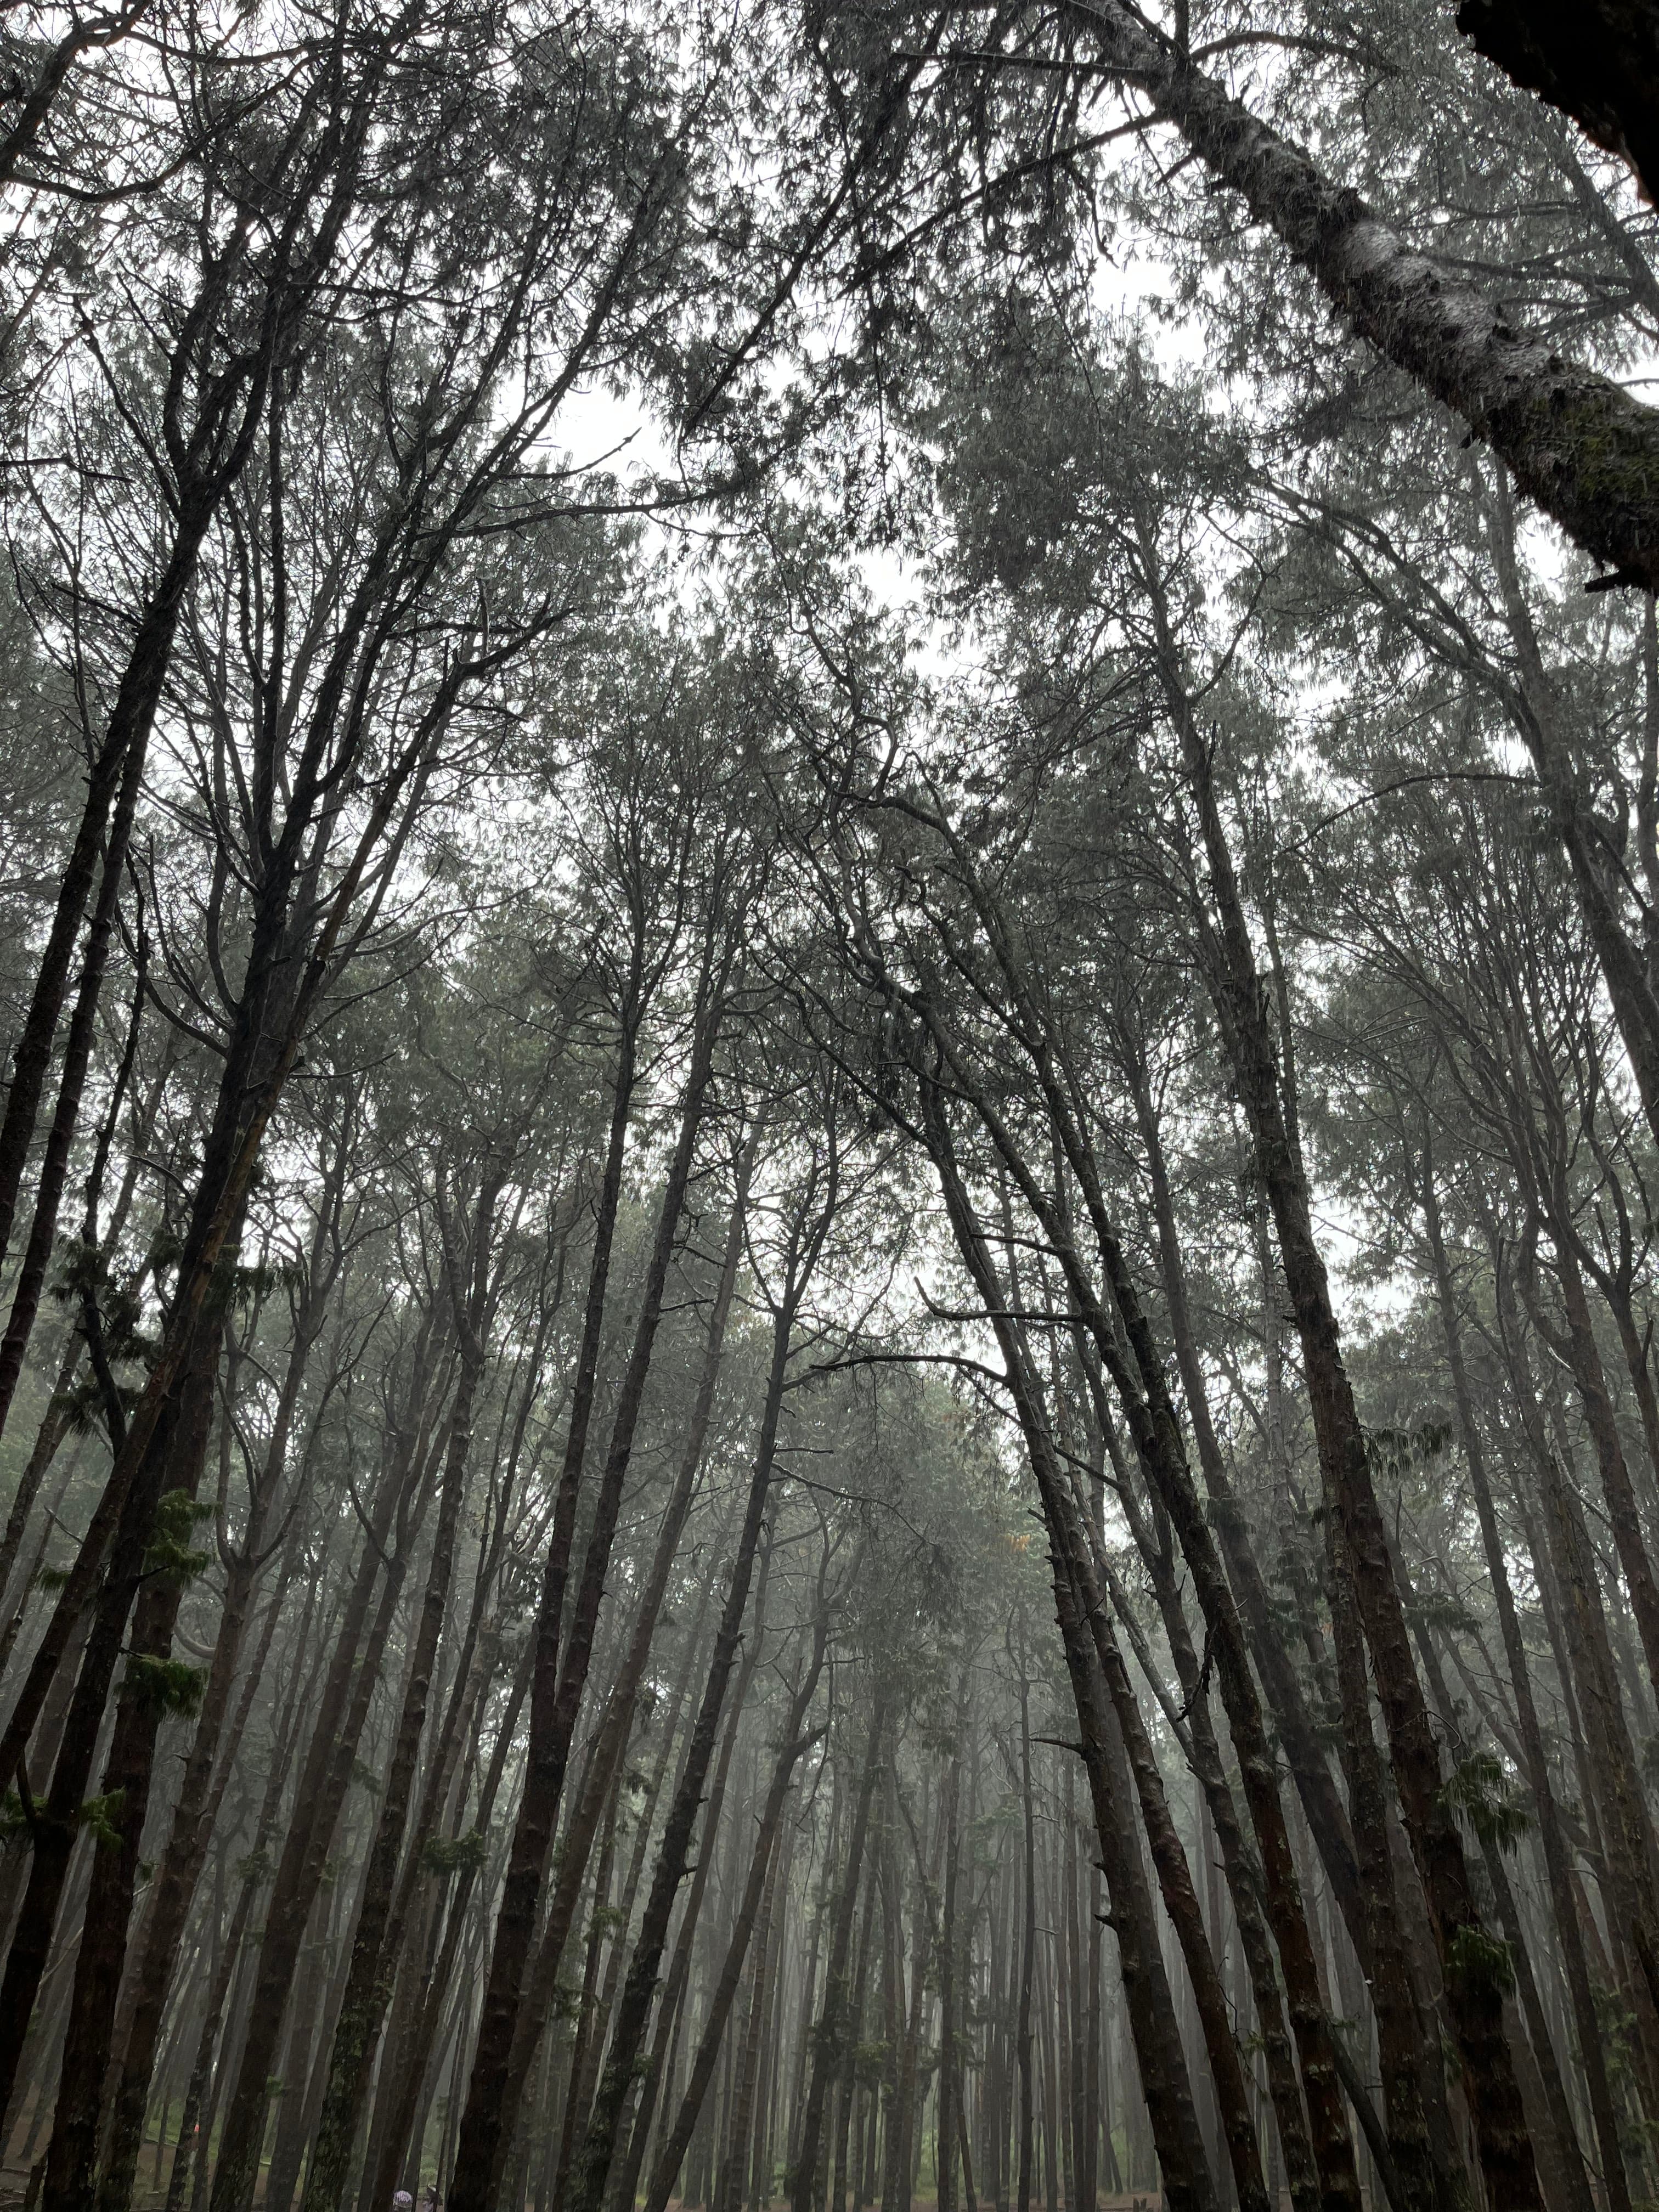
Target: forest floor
{"x": 151, "y": 2193}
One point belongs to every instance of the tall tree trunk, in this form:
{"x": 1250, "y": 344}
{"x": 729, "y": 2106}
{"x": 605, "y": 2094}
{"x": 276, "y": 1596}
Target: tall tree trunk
{"x": 753, "y": 1917}
{"x": 145, "y": 1698}
{"x": 641, "y": 1985}
{"x": 1189, "y": 2186}
{"x": 383, "y": 1908}
{"x": 831, "y": 2025}
{"x": 1473, "y": 1990}
{"x": 559, "y": 1678}
{"x": 1028, "y": 1937}
{"x": 175, "y": 1887}
{"x": 321, "y": 1795}
{"x": 1320, "y": 1803}
{"x": 541, "y": 1983}
{"x": 54, "y": 1831}
{"x": 1557, "y": 1859}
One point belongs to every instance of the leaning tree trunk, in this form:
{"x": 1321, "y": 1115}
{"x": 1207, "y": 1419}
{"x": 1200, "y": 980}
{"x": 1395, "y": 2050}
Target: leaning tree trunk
{"x": 1472, "y": 1971}
{"x": 1577, "y": 443}
{"x": 1557, "y": 1859}
{"x": 1145, "y": 1397}
{"x": 1327, "y": 1821}
{"x": 1188, "y": 2184}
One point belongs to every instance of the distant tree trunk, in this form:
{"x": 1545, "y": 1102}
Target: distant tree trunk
{"x": 1147, "y": 1406}
{"x": 831, "y": 2024}
{"x": 1196, "y": 1733}
{"x": 639, "y": 1986}
{"x": 944, "y": 2161}
{"x": 385, "y": 1903}
{"x": 541, "y": 1982}
{"x": 400, "y": 2130}
{"x": 1623, "y": 1516}
{"x": 190, "y": 2154}
{"x": 731, "y": 2191}
{"x": 753, "y": 1918}
{"x": 560, "y": 1676}
{"x": 323, "y": 1786}
{"x": 1028, "y": 1938}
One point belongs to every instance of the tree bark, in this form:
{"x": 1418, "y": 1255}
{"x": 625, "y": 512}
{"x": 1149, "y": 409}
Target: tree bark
{"x": 1580, "y": 446}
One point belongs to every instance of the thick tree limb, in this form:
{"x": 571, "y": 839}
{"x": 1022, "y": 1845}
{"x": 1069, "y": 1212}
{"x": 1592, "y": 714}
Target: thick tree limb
{"x": 1576, "y": 442}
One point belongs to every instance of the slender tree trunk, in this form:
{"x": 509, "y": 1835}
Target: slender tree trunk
{"x": 321, "y": 1795}
{"x": 1327, "y": 1820}
{"x": 54, "y": 1831}
{"x": 174, "y": 1887}
{"x": 71, "y": 2155}
{"x": 753, "y": 1915}
{"x": 1475, "y": 2000}
{"x": 830, "y": 2026}
{"x": 1187, "y": 2182}
{"x": 559, "y": 1679}
{"x": 542, "y": 1982}
{"x": 640, "y": 1984}
{"x": 384, "y": 1910}
{"x": 113, "y": 783}
{"x": 1028, "y": 1938}
{"x": 1556, "y": 1860}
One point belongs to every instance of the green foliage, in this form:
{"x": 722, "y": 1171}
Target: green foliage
{"x": 1478, "y": 1793}
{"x": 99, "y": 1815}
{"x": 447, "y": 1855}
{"x": 169, "y": 1552}
{"x": 166, "y": 1685}
{"x": 1479, "y": 1963}
{"x": 17, "y": 1827}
